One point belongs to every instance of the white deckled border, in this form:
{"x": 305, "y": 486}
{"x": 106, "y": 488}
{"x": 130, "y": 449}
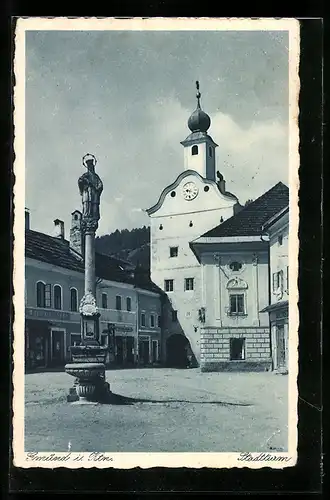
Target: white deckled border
{"x": 145, "y": 460}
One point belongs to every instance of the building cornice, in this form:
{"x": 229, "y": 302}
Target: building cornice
{"x": 228, "y": 239}
{"x": 175, "y": 184}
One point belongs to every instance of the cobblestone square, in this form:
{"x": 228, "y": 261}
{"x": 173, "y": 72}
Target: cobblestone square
{"x": 165, "y": 410}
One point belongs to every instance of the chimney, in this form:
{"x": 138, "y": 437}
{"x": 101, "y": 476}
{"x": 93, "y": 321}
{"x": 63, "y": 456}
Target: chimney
{"x": 27, "y": 219}
{"x": 59, "y": 229}
{"x": 76, "y": 236}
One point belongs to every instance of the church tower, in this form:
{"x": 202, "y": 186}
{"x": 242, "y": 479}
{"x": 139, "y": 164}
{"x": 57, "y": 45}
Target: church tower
{"x": 192, "y": 204}
{"x": 199, "y": 147}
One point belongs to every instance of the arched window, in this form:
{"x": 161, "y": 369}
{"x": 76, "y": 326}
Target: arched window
{"x": 41, "y": 294}
{"x": 57, "y": 297}
{"x": 194, "y": 150}
{"x": 104, "y": 301}
{"x": 74, "y": 299}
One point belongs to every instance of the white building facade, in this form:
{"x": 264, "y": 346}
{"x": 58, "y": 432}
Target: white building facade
{"x": 277, "y": 230}
{"x": 209, "y": 256}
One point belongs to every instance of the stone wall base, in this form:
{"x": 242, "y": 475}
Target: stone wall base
{"x": 233, "y": 366}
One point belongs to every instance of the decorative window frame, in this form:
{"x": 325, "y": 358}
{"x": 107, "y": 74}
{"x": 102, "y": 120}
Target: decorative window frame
{"x": 77, "y": 299}
{"x": 44, "y": 297}
{"x": 237, "y": 286}
{"x": 235, "y": 260}
{"x": 61, "y": 297}
{"x": 278, "y": 285}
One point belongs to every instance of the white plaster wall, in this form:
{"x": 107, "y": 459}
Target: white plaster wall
{"x": 211, "y": 200}
{"x": 216, "y": 295}
{"x": 279, "y": 254}
{"x": 175, "y": 215}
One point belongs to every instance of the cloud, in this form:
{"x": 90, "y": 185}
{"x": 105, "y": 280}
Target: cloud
{"x": 126, "y": 97}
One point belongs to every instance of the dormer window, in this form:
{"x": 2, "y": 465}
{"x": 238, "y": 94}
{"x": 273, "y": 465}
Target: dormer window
{"x": 194, "y": 150}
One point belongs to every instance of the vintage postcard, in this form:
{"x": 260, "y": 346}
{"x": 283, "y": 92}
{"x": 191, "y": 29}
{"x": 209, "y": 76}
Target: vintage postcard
{"x": 156, "y": 242}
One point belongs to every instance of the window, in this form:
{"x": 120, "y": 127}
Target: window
{"x": 174, "y": 251}
{"x": 194, "y": 150}
{"x": 57, "y": 297}
{"x": 143, "y": 319}
{"x": 41, "y": 294}
{"x": 128, "y": 303}
{"x": 174, "y": 316}
{"x": 237, "y": 349}
{"x": 48, "y": 295}
{"x": 169, "y": 285}
{"x": 159, "y": 321}
{"x": 210, "y": 152}
{"x": 277, "y": 281}
{"x": 236, "y": 304}
{"x": 152, "y": 321}
{"x": 189, "y": 284}
{"x": 73, "y": 300}
{"x": 104, "y": 301}
{"x": 235, "y": 266}
{"x": 118, "y": 302}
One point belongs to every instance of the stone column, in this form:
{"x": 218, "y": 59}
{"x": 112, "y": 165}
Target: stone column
{"x": 90, "y": 283}
{"x": 88, "y": 366}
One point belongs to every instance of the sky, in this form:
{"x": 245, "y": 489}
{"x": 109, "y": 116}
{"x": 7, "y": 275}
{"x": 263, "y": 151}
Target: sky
{"x": 126, "y": 97}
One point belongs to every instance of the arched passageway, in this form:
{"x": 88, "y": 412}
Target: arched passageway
{"x": 178, "y": 352}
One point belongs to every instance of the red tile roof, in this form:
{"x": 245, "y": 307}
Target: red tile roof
{"x": 249, "y": 221}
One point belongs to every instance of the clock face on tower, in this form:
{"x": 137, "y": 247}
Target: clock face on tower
{"x": 189, "y": 191}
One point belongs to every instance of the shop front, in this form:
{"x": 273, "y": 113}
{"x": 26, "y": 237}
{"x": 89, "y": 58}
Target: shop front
{"x": 121, "y": 342}
{"x": 37, "y": 344}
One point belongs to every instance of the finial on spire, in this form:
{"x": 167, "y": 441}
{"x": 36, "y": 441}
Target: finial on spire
{"x": 198, "y": 94}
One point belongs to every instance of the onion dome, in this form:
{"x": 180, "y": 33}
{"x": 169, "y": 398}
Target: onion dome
{"x": 199, "y": 121}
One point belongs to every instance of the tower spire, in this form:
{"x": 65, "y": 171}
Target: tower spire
{"x": 198, "y": 95}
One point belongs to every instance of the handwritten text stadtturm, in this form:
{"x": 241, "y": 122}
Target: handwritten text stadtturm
{"x": 261, "y": 457}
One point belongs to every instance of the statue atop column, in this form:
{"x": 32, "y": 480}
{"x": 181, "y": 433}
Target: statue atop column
{"x": 90, "y": 188}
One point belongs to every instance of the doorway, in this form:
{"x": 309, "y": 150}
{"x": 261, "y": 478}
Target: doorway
{"x": 280, "y": 347}
{"x": 130, "y": 350}
{"x": 155, "y": 351}
{"x": 119, "y": 351}
{"x": 58, "y": 355}
{"x": 177, "y": 351}
{"x": 144, "y": 352}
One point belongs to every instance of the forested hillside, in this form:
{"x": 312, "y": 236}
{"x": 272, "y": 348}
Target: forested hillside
{"x": 132, "y": 245}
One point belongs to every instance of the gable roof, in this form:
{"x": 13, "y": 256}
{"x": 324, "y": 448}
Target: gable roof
{"x": 249, "y": 220}
{"x": 57, "y": 252}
